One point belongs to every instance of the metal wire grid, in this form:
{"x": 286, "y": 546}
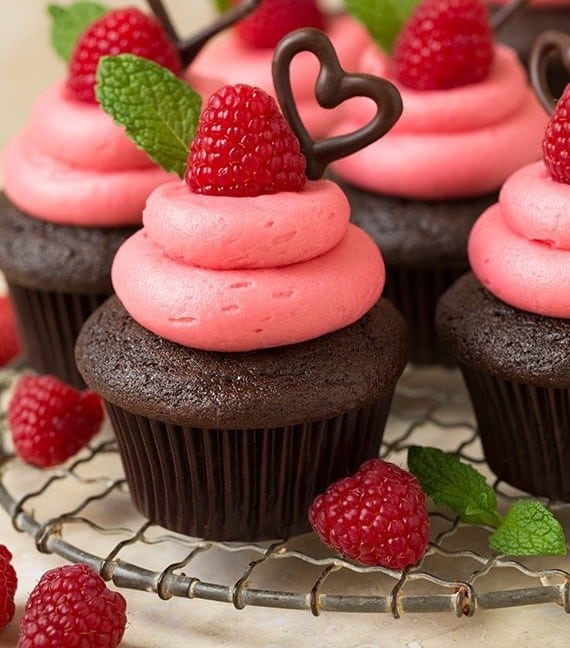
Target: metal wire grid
{"x": 459, "y": 573}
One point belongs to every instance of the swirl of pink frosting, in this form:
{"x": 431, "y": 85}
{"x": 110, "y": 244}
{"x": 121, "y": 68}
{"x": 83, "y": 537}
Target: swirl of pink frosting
{"x": 257, "y": 304}
{"x": 71, "y": 165}
{"x": 448, "y": 144}
{"x": 520, "y": 247}
{"x": 228, "y": 57}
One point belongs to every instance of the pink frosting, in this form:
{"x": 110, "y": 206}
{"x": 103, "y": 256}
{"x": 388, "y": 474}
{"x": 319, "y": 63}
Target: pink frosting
{"x": 257, "y": 305}
{"x": 520, "y": 247}
{"x": 449, "y": 143}
{"x": 228, "y": 57}
{"x": 72, "y": 165}
{"x": 244, "y": 233}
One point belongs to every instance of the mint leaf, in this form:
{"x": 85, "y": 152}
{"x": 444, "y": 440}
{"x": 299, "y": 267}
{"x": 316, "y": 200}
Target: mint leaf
{"x": 383, "y": 19}
{"x": 68, "y": 23}
{"x": 529, "y": 529}
{"x": 222, "y": 5}
{"x": 158, "y": 110}
{"x": 452, "y": 483}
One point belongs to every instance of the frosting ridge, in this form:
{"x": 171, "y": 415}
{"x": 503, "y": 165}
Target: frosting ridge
{"x": 450, "y": 143}
{"x": 237, "y": 301}
{"x": 520, "y": 247}
{"x": 72, "y": 165}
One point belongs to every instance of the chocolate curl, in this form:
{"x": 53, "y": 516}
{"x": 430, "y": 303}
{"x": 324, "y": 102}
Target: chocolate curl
{"x": 548, "y": 44}
{"x": 332, "y": 87}
{"x": 506, "y": 12}
{"x": 188, "y": 49}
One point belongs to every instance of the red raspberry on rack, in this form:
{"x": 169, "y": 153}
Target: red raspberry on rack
{"x": 118, "y": 32}
{"x": 71, "y": 607}
{"x": 8, "y": 584}
{"x": 51, "y": 421}
{"x": 9, "y": 338}
{"x": 444, "y": 44}
{"x": 378, "y": 516}
{"x": 556, "y": 142}
{"x": 273, "y": 19}
{"x": 244, "y": 147}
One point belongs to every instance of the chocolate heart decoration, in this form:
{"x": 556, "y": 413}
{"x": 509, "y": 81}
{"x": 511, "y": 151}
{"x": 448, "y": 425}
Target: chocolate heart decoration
{"x": 332, "y": 87}
{"x": 506, "y": 12}
{"x": 189, "y": 48}
{"x": 547, "y": 45}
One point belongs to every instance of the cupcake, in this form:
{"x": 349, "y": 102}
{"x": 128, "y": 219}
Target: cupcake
{"x": 508, "y": 321}
{"x": 247, "y": 359}
{"x": 468, "y": 122}
{"x": 244, "y": 53}
{"x": 74, "y": 190}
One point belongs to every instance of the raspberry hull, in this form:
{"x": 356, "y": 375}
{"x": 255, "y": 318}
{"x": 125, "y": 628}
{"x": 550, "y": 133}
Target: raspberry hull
{"x": 378, "y": 516}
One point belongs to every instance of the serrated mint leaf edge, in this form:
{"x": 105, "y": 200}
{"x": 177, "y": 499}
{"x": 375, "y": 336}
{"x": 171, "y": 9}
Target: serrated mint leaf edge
{"x": 69, "y": 22}
{"x": 171, "y": 153}
{"x": 497, "y": 538}
{"x": 383, "y": 19}
{"x": 447, "y": 492}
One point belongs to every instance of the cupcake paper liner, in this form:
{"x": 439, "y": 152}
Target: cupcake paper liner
{"x": 49, "y": 323}
{"x": 525, "y": 432}
{"x": 241, "y": 484}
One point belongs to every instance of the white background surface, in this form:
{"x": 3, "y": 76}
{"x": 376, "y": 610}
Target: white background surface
{"x": 27, "y": 65}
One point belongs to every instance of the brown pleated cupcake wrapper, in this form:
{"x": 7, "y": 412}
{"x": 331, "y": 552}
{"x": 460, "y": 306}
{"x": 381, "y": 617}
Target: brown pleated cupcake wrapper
{"x": 415, "y": 292}
{"x": 525, "y": 432}
{"x": 49, "y": 324}
{"x": 241, "y": 484}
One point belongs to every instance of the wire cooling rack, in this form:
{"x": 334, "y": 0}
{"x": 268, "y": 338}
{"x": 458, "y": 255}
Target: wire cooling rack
{"x": 83, "y": 513}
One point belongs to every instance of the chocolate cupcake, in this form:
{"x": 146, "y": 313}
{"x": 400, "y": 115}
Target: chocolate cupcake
{"x": 247, "y": 360}
{"x": 419, "y": 190}
{"x": 75, "y": 185}
{"x": 508, "y": 323}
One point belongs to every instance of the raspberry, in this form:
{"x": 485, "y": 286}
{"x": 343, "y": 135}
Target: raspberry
{"x": 378, "y": 516}
{"x": 445, "y": 44}
{"x": 8, "y": 584}
{"x": 72, "y": 607}
{"x": 556, "y": 142}
{"x": 273, "y": 19}
{"x": 51, "y": 421}
{"x": 244, "y": 147}
{"x": 118, "y": 32}
{"x": 9, "y": 339}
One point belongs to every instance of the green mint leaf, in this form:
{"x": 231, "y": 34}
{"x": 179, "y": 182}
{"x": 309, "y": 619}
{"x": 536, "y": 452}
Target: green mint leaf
{"x": 222, "y": 5}
{"x": 529, "y": 529}
{"x": 158, "y": 110}
{"x": 383, "y": 19}
{"x": 68, "y": 23}
{"x": 453, "y": 483}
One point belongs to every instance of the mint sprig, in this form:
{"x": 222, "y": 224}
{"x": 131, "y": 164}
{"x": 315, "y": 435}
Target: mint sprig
{"x": 528, "y": 529}
{"x": 158, "y": 110}
{"x": 455, "y": 484}
{"x": 222, "y": 5}
{"x": 69, "y": 22}
{"x": 383, "y": 19}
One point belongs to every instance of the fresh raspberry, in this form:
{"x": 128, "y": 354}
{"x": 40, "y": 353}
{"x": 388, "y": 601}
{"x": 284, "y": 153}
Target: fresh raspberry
{"x": 9, "y": 338}
{"x": 556, "y": 142}
{"x": 51, "y": 421}
{"x": 244, "y": 147}
{"x": 8, "y": 584}
{"x": 273, "y": 19}
{"x": 378, "y": 516}
{"x": 118, "y": 32}
{"x": 445, "y": 44}
{"x": 71, "y": 607}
